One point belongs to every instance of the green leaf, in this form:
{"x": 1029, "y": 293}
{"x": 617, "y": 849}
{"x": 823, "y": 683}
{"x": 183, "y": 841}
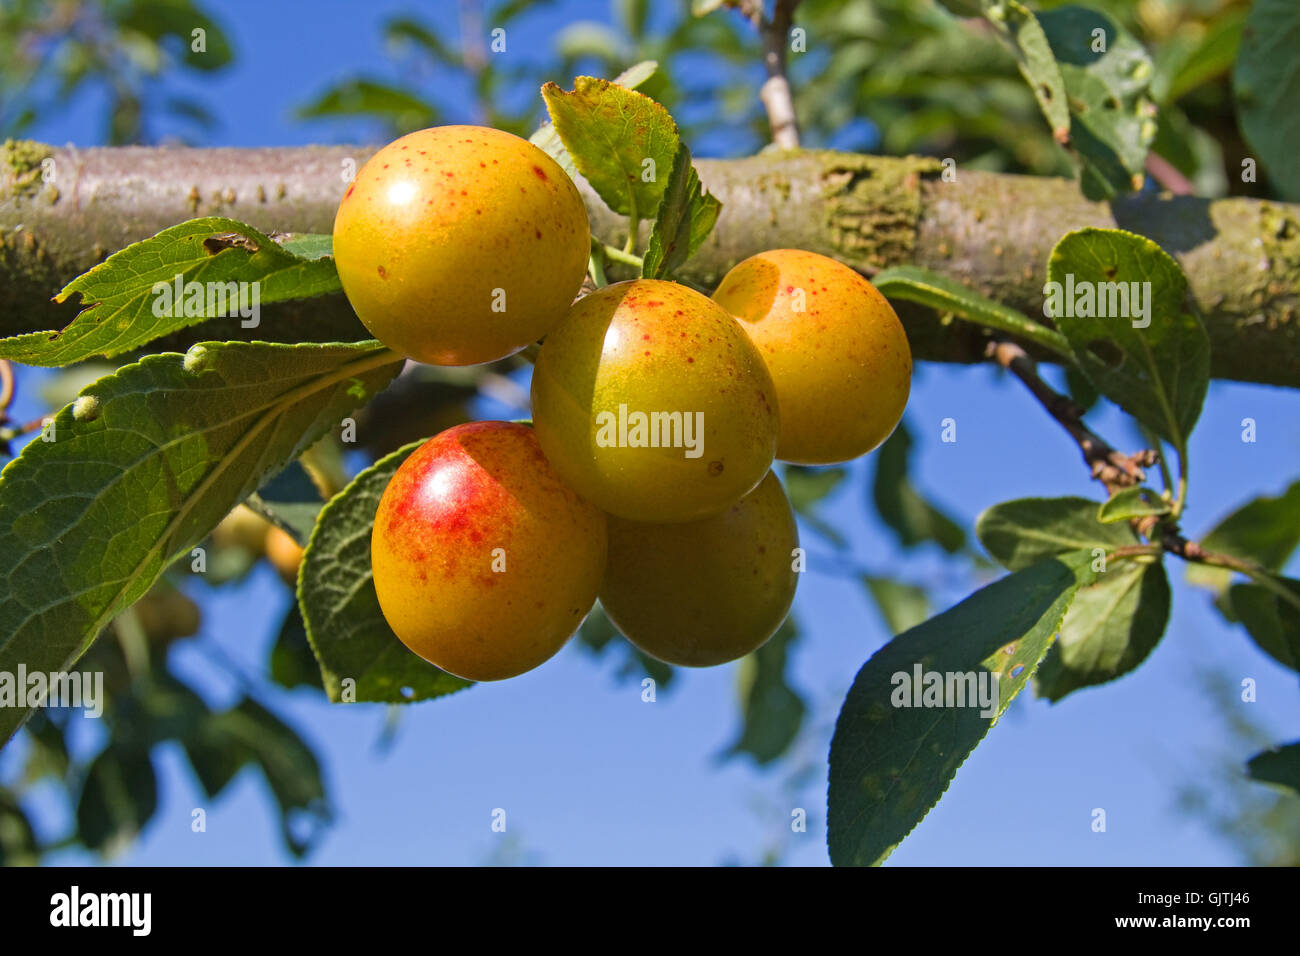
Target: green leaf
{"x": 1280, "y": 766}
{"x": 902, "y": 507}
{"x": 1035, "y": 58}
{"x": 1272, "y": 622}
{"x": 771, "y": 710}
{"x": 1157, "y": 371}
{"x": 806, "y": 487}
{"x": 937, "y": 291}
{"x": 1106, "y": 73}
{"x": 613, "y": 135}
{"x": 1208, "y": 58}
{"x": 1024, "y": 531}
{"x": 293, "y": 664}
{"x": 118, "y": 797}
{"x": 1265, "y": 530}
{"x": 1266, "y": 84}
{"x": 120, "y": 302}
{"x": 290, "y": 500}
{"x": 288, "y": 764}
{"x": 141, "y": 468}
{"x": 548, "y": 140}
{"x": 336, "y": 592}
{"x": 18, "y": 844}
{"x": 361, "y": 97}
{"x": 1111, "y": 627}
{"x": 890, "y": 761}
{"x": 902, "y": 605}
{"x": 1134, "y": 502}
{"x": 684, "y": 220}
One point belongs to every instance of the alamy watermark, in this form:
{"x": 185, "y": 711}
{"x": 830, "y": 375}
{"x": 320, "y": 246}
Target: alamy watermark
{"x": 922, "y": 688}
{"x": 56, "y": 689}
{"x": 1102, "y": 300}
{"x": 626, "y": 429}
{"x": 181, "y": 299}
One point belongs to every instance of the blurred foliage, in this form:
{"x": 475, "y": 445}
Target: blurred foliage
{"x": 53, "y": 51}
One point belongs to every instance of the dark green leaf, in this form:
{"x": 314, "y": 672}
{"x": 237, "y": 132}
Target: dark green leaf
{"x": 771, "y": 710}
{"x": 18, "y": 844}
{"x": 118, "y": 797}
{"x": 902, "y": 507}
{"x": 1280, "y": 766}
{"x": 1272, "y": 622}
{"x": 336, "y": 592}
{"x": 1266, "y": 83}
{"x": 293, "y": 664}
{"x": 290, "y": 768}
{"x": 684, "y": 220}
{"x": 141, "y": 468}
{"x": 891, "y": 761}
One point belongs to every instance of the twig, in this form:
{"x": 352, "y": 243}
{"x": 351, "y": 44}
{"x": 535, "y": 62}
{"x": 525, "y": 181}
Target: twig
{"x": 1113, "y": 469}
{"x": 1168, "y": 176}
{"x": 775, "y": 93}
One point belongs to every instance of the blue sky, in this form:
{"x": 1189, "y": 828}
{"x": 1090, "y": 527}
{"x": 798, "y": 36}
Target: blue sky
{"x": 590, "y": 774}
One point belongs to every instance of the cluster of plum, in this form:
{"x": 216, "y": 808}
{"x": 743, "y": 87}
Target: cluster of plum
{"x": 645, "y": 479}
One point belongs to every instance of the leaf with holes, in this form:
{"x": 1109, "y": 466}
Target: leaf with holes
{"x": 903, "y": 733}
{"x": 141, "y": 467}
{"x": 622, "y": 141}
{"x": 1112, "y": 119}
{"x": 220, "y": 266}
{"x": 1123, "y": 303}
{"x": 336, "y": 592}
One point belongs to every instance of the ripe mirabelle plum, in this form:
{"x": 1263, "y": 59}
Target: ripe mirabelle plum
{"x": 484, "y": 561}
{"x": 835, "y": 348}
{"x": 653, "y": 404}
{"x": 460, "y": 244}
{"x": 704, "y": 592}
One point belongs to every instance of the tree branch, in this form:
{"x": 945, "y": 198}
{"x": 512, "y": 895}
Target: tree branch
{"x": 777, "y": 97}
{"x": 1113, "y": 469}
{"x": 991, "y": 231}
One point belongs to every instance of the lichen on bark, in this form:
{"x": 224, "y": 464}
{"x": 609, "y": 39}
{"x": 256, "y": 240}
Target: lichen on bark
{"x": 20, "y": 163}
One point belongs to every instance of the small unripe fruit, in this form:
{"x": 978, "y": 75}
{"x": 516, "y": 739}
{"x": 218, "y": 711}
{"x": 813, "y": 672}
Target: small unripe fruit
{"x": 835, "y": 348}
{"x": 653, "y": 404}
{"x": 284, "y": 553}
{"x": 704, "y": 592}
{"x": 485, "y": 563}
{"x": 243, "y": 528}
{"x": 460, "y": 244}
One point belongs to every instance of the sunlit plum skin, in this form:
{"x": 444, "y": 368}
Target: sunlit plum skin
{"x": 705, "y": 592}
{"x": 460, "y": 244}
{"x": 842, "y": 365}
{"x": 485, "y": 563}
{"x": 654, "y": 348}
